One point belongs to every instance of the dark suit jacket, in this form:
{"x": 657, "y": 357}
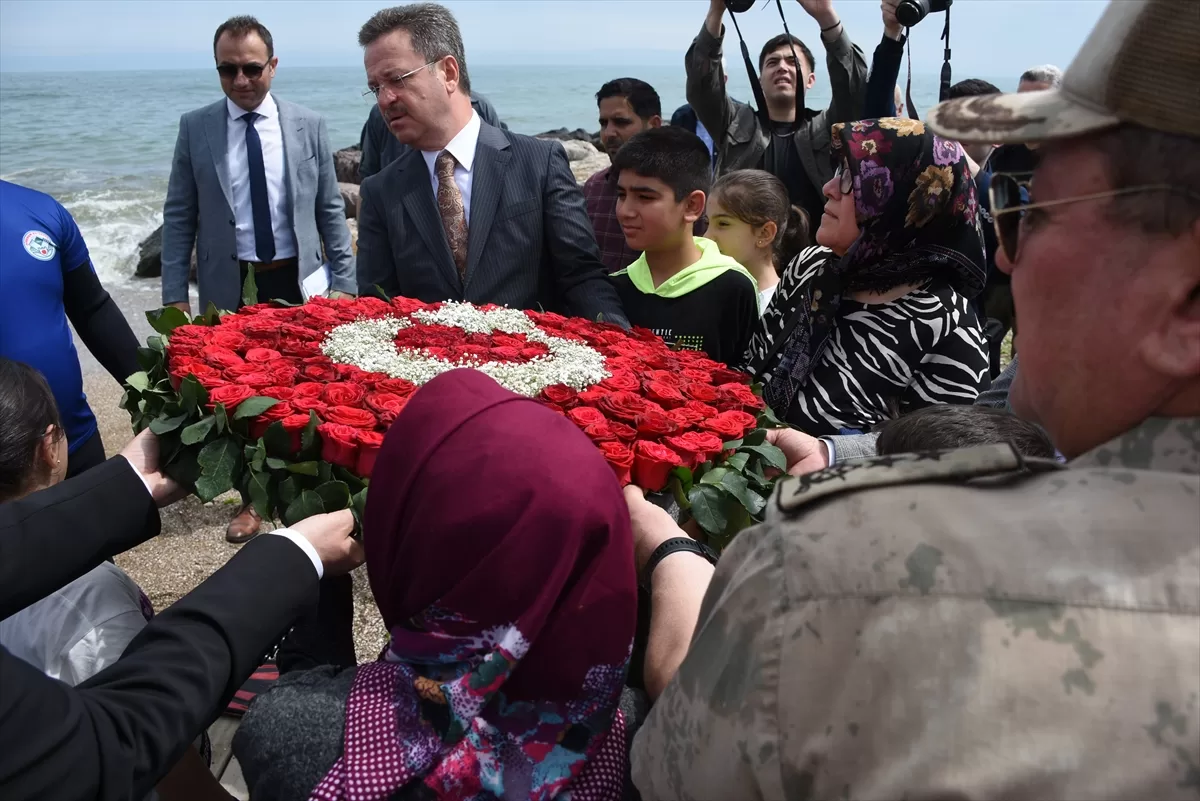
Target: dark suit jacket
{"x": 530, "y": 245}
{"x": 115, "y": 735}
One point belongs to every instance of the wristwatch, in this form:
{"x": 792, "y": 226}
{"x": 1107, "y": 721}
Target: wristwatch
{"x": 671, "y": 546}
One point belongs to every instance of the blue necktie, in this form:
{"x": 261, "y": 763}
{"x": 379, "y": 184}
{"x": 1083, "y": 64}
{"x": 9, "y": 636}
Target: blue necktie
{"x": 264, "y": 235}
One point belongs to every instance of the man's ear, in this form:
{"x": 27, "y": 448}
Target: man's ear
{"x": 453, "y": 73}
{"x": 47, "y": 449}
{"x": 655, "y": 121}
{"x": 693, "y": 206}
{"x": 1172, "y": 346}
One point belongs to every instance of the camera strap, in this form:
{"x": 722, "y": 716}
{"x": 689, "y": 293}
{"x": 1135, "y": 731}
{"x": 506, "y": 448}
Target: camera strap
{"x": 796, "y": 62}
{"x": 944, "y": 87}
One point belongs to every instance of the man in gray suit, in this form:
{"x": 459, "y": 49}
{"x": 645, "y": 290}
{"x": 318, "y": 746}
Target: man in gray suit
{"x": 470, "y": 212}
{"x": 253, "y": 188}
{"x": 253, "y": 192}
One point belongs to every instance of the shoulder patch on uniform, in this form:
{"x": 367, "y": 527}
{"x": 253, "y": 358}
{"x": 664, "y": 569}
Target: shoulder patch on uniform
{"x": 905, "y": 468}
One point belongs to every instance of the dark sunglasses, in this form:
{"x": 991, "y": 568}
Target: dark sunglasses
{"x": 251, "y": 71}
{"x": 1008, "y": 208}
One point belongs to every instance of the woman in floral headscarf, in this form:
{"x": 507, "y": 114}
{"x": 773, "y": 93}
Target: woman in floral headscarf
{"x": 499, "y": 552}
{"x": 875, "y": 321}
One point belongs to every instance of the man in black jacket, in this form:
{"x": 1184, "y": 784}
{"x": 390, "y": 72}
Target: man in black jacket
{"x": 116, "y": 734}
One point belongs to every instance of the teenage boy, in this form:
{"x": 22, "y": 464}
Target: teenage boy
{"x": 681, "y": 287}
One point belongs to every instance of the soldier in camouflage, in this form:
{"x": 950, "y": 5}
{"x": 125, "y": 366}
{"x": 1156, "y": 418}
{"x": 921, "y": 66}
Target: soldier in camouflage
{"x": 972, "y": 624}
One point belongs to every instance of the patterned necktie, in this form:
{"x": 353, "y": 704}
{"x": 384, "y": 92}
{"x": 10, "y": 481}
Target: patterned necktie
{"x": 260, "y": 205}
{"x": 450, "y": 207}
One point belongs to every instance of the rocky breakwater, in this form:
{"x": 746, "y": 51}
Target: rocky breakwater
{"x": 583, "y": 151}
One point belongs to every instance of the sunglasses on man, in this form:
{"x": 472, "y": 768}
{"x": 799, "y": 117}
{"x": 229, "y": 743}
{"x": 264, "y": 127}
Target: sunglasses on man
{"x": 251, "y": 71}
{"x": 1008, "y": 209}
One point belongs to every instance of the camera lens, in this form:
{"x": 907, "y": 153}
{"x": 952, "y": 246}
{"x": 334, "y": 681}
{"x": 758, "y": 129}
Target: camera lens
{"x": 910, "y": 12}
{"x": 739, "y": 6}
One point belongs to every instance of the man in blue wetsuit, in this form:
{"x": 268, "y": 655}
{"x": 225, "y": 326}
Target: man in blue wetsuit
{"x": 46, "y": 279}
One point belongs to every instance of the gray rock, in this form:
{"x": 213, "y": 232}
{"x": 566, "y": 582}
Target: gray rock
{"x": 345, "y": 163}
{"x": 578, "y": 150}
{"x": 350, "y": 199}
{"x": 587, "y": 167}
{"x": 563, "y": 135}
{"x": 150, "y": 257}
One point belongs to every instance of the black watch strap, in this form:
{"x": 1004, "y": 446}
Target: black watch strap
{"x": 671, "y": 546}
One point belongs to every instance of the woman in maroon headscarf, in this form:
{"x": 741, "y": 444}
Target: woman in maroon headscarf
{"x": 499, "y": 551}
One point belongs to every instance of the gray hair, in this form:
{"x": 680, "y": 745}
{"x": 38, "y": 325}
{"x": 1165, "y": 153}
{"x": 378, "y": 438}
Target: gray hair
{"x": 433, "y": 30}
{"x": 1047, "y": 73}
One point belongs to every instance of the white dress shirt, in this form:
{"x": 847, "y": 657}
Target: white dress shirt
{"x": 462, "y": 147}
{"x": 271, "y": 137}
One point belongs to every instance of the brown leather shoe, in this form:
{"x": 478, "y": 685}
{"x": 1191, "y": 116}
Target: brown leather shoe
{"x": 244, "y": 527}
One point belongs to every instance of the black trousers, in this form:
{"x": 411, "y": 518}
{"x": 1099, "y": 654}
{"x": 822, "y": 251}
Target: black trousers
{"x": 86, "y": 456}
{"x": 282, "y": 283}
{"x": 324, "y": 636}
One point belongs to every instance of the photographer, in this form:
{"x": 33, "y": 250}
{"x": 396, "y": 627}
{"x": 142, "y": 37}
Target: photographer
{"x": 795, "y": 147}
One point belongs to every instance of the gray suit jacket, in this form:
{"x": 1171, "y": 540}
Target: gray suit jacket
{"x": 530, "y": 242}
{"x": 199, "y": 206}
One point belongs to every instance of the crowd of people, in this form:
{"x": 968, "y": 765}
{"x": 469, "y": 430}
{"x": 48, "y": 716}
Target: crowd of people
{"x": 973, "y": 582}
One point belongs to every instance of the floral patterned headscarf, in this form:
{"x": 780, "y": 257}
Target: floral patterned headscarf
{"x": 500, "y": 555}
{"x": 916, "y": 205}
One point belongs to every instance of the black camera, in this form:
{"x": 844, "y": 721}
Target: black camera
{"x": 910, "y": 12}
{"x": 739, "y": 6}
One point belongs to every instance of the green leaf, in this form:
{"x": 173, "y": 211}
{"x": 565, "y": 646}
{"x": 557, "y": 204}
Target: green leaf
{"x": 279, "y": 441}
{"x": 324, "y": 471}
{"x": 732, "y": 445}
{"x": 249, "y": 289}
{"x": 738, "y": 461}
{"x": 308, "y": 504}
{"x": 288, "y": 491}
{"x": 770, "y": 455}
{"x": 139, "y": 381}
{"x": 308, "y": 438}
{"x": 253, "y": 407}
{"x": 222, "y": 418}
{"x": 166, "y": 319}
{"x": 275, "y": 464}
{"x": 738, "y": 487}
{"x": 197, "y": 431}
{"x": 184, "y": 468}
{"x": 148, "y": 359}
{"x": 355, "y": 483}
{"x": 684, "y": 476}
{"x": 767, "y": 419}
{"x": 156, "y": 344}
{"x": 161, "y": 425}
{"x": 335, "y": 495}
{"x": 192, "y": 394}
{"x": 678, "y": 491}
{"x": 379, "y": 291}
{"x": 219, "y": 461}
{"x": 756, "y": 437}
{"x": 714, "y": 476}
{"x": 707, "y": 508}
{"x": 211, "y": 315}
{"x": 260, "y": 493}
{"x": 303, "y": 468}
{"x": 358, "y": 505}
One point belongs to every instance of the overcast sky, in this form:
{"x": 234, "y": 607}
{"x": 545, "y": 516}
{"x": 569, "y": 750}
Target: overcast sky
{"x": 989, "y": 37}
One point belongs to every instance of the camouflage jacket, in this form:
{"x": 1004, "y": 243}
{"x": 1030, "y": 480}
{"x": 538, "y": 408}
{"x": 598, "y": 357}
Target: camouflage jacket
{"x": 951, "y": 626}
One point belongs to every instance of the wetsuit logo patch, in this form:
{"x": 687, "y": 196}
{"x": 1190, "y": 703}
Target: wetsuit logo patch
{"x": 39, "y": 245}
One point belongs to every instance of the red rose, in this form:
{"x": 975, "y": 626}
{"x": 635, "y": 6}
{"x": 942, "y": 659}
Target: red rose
{"x": 343, "y": 394}
{"x": 699, "y": 376}
{"x": 548, "y": 319}
{"x": 323, "y": 373}
{"x": 723, "y": 375}
{"x": 220, "y": 357}
{"x": 396, "y": 386}
{"x": 229, "y": 395}
{"x": 534, "y": 350}
{"x": 299, "y": 333}
{"x": 372, "y": 307}
{"x": 626, "y": 406}
{"x": 284, "y": 375}
{"x": 263, "y": 328}
{"x": 235, "y": 372}
{"x": 625, "y": 433}
{"x": 505, "y": 354}
{"x": 620, "y": 459}
{"x": 305, "y": 404}
{"x": 308, "y": 389}
{"x": 230, "y": 340}
{"x": 339, "y": 444}
{"x": 408, "y": 305}
{"x": 258, "y": 426}
{"x": 258, "y": 381}
{"x": 584, "y": 416}
{"x": 741, "y": 395}
{"x": 621, "y": 381}
{"x": 350, "y": 416}
{"x": 705, "y": 393}
{"x": 600, "y": 432}
{"x": 189, "y": 332}
{"x": 730, "y": 425}
{"x": 593, "y": 396}
{"x": 652, "y": 464}
{"x": 701, "y": 408}
{"x": 300, "y": 350}
{"x": 349, "y": 374}
{"x": 260, "y": 355}
{"x": 695, "y": 447}
{"x": 684, "y": 417}
{"x": 278, "y": 392}
{"x": 369, "y": 443}
{"x": 664, "y": 394}
{"x": 655, "y": 424}
{"x": 294, "y": 426}
{"x": 665, "y": 377}
{"x": 561, "y": 395}
{"x": 387, "y": 405}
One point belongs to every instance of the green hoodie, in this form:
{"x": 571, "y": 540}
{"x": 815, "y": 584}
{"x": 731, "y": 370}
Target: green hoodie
{"x": 711, "y": 264}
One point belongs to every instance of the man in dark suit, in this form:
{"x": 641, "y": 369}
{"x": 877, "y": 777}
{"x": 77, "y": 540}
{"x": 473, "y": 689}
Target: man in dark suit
{"x": 380, "y": 148}
{"x": 115, "y": 735}
{"x": 471, "y": 212}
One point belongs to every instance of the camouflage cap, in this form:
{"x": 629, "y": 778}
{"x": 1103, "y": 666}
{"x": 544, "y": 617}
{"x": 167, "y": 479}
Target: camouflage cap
{"x": 1139, "y": 65}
